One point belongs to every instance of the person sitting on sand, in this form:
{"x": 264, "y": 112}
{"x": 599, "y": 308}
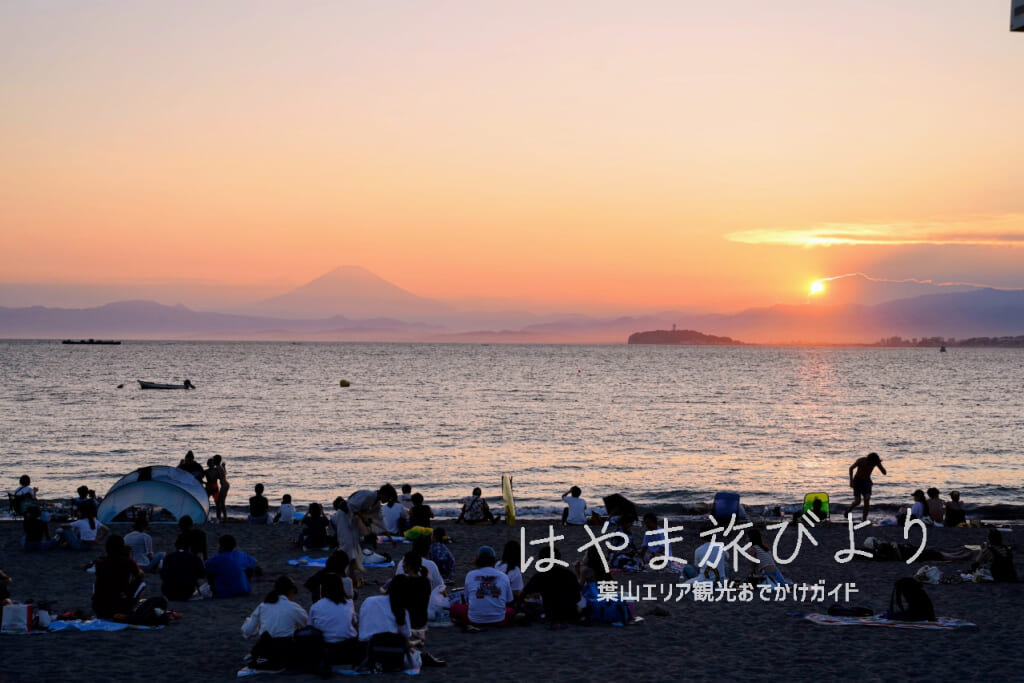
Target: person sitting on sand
{"x": 193, "y": 536}
{"x": 511, "y": 556}
{"x": 275, "y": 621}
{"x": 25, "y": 495}
{"x": 711, "y": 561}
{"x": 599, "y": 608}
{"x": 286, "y": 511}
{"x": 37, "y": 533}
{"x": 936, "y": 506}
{"x": 259, "y": 507}
{"x": 83, "y": 534}
{"x": 860, "y": 481}
{"x": 441, "y": 555}
{"x": 315, "y": 529}
{"x": 140, "y": 544}
{"x": 335, "y": 616}
{"x": 653, "y": 542}
{"x": 955, "y": 513}
{"x": 420, "y": 514}
{"x": 384, "y": 614}
{"x": 765, "y": 566}
{"x": 181, "y": 572}
{"x": 189, "y": 464}
{"x": 337, "y": 563}
{"x": 575, "y": 512}
{"x": 405, "y": 497}
{"x": 475, "y": 510}
{"x": 489, "y": 594}
{"x": 919, "y": 510}
{"x": 118, "y": 580}
{"x": 228, "y": 572}
{"x": 84, "y": 499}
{"x": 421, "y": 547}
{"x": 394, "y": 514}
{"x": 560, "y": 593}
{"x": 412, "y": 589}
{"x": 997, "y": 558}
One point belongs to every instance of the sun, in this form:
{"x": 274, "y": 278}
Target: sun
{"x": 817, "y": 287}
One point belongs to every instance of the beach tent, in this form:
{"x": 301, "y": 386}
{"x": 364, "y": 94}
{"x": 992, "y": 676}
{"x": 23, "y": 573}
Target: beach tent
{"x": 174, "y": 490}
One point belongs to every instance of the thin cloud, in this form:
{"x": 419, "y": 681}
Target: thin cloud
{"x": 912, "y": 280}
{"x": 1005, "y": 230}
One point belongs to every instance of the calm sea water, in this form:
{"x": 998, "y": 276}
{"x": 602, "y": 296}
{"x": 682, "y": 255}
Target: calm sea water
{"x": 666, "y": 426}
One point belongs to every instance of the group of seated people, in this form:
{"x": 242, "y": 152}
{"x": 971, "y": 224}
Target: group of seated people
{"x": 934, "y": 511}
{"x": 348, "y": 635}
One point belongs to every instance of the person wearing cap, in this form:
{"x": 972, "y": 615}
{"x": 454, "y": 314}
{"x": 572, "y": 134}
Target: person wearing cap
{"x": 488, "y": 592}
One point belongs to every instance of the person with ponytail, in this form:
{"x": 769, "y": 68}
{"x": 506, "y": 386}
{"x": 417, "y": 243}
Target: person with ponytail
{"x": 275, "y": 621}
{"x": 83, "y": 534}
{"x": 334, "y": 615}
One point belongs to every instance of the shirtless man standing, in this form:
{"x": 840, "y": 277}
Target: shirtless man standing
{"x": 860, "y": 480}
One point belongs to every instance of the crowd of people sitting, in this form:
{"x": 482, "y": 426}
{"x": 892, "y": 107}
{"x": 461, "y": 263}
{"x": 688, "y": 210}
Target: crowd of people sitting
{"x": 933, "y": 510}
{"x": 390, "y": 629}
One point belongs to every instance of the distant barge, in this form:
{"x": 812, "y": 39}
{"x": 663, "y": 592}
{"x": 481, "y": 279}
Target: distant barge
{"x": 91, "y": 341}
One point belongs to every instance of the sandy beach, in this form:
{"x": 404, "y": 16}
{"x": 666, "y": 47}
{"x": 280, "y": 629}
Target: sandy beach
{"x": 694, "y": 640}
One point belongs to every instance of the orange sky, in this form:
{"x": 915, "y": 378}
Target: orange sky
{"x": 589, "y": 154}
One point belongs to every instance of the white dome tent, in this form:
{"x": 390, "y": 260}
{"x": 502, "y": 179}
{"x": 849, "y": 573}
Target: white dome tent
{"x": 174, "y": 490}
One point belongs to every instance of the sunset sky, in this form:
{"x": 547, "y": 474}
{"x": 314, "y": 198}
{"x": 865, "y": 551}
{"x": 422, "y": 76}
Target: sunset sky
{"x": 584, "y": 155}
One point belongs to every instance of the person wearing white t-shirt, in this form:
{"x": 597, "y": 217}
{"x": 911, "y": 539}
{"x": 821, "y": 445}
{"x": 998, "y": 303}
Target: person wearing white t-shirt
{"x": 334, "y": 614}
{"x": 377, "y": 616}
{"x": 83, "y": 534}
{"x": 141, "y": 546}
{"x": 509, "y": 565}
{"x": 711, "y": 561}
{"x": 396, "y": 517}
{"x": 421, "y": 546}
{"x": 286, "y": 511}
{"x": 575, "y": 512}
{"x": 489, "y": 593}
{"x": 277, "y": 617}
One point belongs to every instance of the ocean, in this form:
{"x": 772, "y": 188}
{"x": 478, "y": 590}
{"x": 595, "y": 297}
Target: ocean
{"x": 665, "y": 426}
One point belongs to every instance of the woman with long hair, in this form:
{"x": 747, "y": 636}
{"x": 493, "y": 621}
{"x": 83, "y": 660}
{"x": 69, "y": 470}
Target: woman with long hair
{"x": 314, "y": 528}
{"x": 334, "y": 615}
{"x": 83, "y": 534}
{"x": 765, "y": 566}
{"x": 275, "y": 621}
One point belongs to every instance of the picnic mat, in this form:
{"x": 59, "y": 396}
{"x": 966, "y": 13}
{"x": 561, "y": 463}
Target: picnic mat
{"x": 940, "y": 624}
{"x": 306, "y": 561}
{"x": 97, "y": 625}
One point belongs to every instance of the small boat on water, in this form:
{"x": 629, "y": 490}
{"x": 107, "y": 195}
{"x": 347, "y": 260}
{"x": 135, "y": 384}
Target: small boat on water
{"x": 942, "y": 349}
{"x": 157, "y": 385}
{"x": 91, "y": 341}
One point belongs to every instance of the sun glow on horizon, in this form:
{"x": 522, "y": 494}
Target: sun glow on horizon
{"x": 817, "y": 287}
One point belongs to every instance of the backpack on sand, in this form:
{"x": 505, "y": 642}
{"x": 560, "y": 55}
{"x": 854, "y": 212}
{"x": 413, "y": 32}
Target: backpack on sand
{"x": 909, "y": 602}
{"x": 385, "y": 652}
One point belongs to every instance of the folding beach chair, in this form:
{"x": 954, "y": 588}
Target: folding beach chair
{"x": 727, "y": 504}
{"x": 818, "y": 502}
